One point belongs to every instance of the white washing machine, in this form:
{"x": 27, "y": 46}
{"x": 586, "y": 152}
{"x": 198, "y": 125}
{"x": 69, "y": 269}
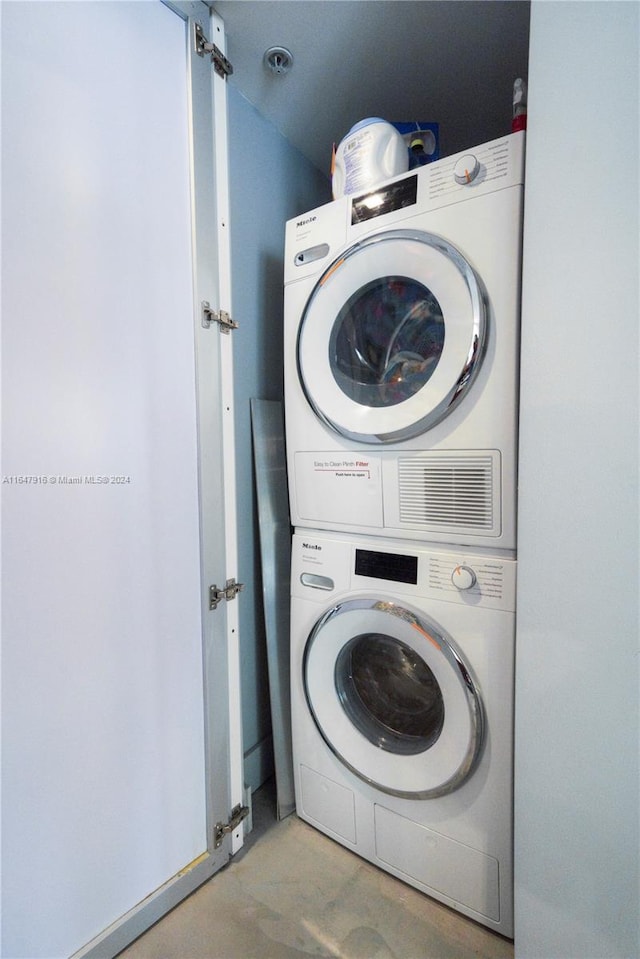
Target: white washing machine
{"x": 401, "y": 353}
{"x": 402, "y": 661}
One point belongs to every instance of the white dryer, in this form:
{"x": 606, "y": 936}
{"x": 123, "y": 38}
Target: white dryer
{"x": 402, "y": 662}
{"x": 401, "y": 353}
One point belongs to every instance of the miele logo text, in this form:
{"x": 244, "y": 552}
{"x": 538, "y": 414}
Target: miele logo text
{"x": 311, "y": 546}
{"x": 310, "y": 219}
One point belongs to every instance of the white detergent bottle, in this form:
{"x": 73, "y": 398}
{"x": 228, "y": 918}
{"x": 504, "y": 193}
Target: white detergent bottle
{"x": 372, "y": 151}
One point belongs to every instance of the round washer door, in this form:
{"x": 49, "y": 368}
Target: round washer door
{"x": 393, "y": 698}
{"x": 392, "y": 336}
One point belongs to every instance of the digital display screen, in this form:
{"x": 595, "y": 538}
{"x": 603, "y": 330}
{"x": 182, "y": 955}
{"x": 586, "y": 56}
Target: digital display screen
{"x": 394, "y": 567}
{"x": 397, "y": 196}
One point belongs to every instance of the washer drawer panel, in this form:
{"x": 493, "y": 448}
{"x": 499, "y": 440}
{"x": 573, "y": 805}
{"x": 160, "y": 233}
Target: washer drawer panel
{"x": 328, "y": 803}
{"x": 450, "y": 868}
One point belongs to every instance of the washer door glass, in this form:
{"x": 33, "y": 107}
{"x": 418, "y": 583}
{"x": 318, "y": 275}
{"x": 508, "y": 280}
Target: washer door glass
{"x": 391, "y": 337}
{"x": 393, "y": 698}
{"x": 389, "y": 693}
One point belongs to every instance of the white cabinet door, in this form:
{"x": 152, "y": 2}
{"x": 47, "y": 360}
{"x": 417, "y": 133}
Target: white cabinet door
{"x": 116, "y": 699}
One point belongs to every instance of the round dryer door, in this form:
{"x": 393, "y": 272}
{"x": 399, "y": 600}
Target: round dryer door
{"x": 392, "y": 337}
{"x": 393, "y": 698}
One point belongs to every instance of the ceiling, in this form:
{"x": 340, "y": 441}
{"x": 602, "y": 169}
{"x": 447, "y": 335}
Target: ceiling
{"x": 446, "y": 61}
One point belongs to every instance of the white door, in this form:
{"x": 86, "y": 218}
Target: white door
{"x": 117, "y": 676}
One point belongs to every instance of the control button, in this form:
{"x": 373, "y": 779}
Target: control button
{"x": 316, "y": 582}
{"x": 466, "y": 169}
{"x": 463, "y": 577}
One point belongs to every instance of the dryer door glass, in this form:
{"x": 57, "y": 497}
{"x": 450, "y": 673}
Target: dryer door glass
{"x": 392, "y": 336}
{"x": 386, "y": 341}
{"x": 393, "y": 698}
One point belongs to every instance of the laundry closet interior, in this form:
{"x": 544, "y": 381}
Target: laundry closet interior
{"x": 356, "y": 57}
{"x": 270, "y": 182}
{"x": 118, "y": 616}
{"x": 359, "y": 455}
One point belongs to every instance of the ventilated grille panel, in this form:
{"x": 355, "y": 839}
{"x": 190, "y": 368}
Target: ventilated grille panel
{"x": 451, "y": 491}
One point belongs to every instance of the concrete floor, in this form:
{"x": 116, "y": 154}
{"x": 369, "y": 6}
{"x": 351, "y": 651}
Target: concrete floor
{"x": 292, "y": 892}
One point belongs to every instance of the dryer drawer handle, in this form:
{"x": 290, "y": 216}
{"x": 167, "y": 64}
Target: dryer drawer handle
{"x": 317, "y": 582}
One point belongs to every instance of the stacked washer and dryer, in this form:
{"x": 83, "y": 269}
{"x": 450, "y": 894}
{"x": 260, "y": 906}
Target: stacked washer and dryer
{"x": 401, "y": 392}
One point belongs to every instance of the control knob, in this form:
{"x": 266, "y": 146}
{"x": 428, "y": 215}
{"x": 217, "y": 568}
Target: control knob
{"x": 466, "y": 169}
{"x": 463, "y": 577}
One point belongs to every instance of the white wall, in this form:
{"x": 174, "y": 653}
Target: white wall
{"x": 577, "y": 729}
{"x": 270, "y": 182}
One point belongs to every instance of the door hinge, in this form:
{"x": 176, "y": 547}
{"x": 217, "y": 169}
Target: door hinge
{"x": 238, "y": 813}
{"x": 229, "y": 591}
{"x": 221, "y": 317}
{"x": 220, "y": 63}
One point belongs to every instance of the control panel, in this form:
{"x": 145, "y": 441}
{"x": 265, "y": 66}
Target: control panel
{"x": 337, "y": 565}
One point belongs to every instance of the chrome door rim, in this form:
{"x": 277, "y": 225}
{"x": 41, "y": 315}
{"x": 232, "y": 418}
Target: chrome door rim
{"x": 469, "y": 368}
{"x": 455, "y": 662}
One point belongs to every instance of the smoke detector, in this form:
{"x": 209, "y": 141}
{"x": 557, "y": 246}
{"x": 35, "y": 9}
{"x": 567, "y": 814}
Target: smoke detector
{"x": 278, "y": 60}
